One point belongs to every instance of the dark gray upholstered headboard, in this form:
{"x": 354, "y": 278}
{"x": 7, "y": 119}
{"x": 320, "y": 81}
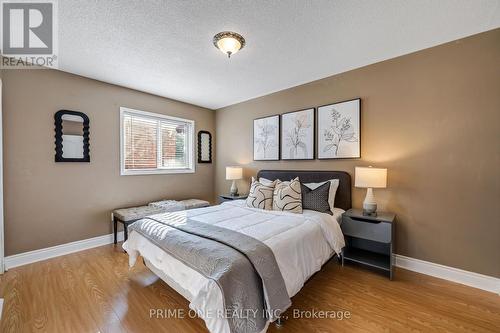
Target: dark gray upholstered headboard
{"x": 343, "y": 195}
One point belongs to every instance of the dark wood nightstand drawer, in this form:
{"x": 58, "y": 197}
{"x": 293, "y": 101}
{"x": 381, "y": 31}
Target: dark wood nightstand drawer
{"x": 366, "y": 229}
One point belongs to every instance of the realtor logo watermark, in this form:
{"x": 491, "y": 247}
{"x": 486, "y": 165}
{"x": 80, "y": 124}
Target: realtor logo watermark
{"x": 29, "y": 34}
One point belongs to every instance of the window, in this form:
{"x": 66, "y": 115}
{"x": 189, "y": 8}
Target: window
{"x": 152, "y": 143}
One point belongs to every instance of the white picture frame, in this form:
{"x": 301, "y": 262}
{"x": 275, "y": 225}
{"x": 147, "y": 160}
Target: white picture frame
{"x": 266, "y": 138}
{"x": 297, "y": 135}
{"x": 339, "y": 130}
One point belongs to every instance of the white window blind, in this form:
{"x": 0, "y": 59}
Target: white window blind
{"x": 154, "y": 143}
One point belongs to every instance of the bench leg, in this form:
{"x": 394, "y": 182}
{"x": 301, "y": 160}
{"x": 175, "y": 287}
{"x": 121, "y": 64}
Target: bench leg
{"x": 125, "y": 231}
{"x": 115, "y": 230}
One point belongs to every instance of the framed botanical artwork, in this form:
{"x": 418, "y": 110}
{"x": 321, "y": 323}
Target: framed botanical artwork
{"x": 297, "y": 135}
{"x": 339, "y": 130}
{"x": 266, "y": 138}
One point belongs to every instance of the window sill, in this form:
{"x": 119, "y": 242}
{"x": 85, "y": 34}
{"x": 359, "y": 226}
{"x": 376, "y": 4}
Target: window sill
{"x": 155, "y": 172}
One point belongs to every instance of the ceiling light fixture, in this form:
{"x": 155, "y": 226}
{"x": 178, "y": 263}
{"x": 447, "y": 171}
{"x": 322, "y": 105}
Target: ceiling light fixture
{"x": 229, "y": 42}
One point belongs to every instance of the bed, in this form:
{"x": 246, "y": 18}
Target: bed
{"x": 300, "y": 243}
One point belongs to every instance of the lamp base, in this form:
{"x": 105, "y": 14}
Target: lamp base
{"x": 369, "y": 205}
{"x": 234, "y": 189}
{"x": 366, "y": 213}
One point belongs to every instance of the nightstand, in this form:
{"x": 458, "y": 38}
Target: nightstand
{"x": 369, "y": 239}
{"x": 228, "y": 197}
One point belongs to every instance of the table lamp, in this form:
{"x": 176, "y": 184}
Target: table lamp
{"x": 370, "y": 178}
{"x": 234, "y": 173}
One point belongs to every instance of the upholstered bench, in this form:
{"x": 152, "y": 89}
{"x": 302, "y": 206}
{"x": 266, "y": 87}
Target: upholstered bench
{"x": 128, "y": 216}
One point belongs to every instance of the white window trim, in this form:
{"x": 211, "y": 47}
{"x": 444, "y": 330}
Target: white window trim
{"x": 159, "y": 171}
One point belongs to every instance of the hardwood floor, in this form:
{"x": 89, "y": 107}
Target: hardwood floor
{"x": 94, "y": 291}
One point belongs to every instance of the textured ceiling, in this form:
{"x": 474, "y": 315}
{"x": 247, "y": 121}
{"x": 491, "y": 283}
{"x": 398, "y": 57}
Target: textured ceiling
{"x": 165, "y": 47}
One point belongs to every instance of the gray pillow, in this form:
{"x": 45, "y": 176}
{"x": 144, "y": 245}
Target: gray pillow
{"x": 316, "y": 199}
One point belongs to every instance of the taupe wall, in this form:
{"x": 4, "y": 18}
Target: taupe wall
{"x": 433, "y": 119}
{"x": 48, "y": 203}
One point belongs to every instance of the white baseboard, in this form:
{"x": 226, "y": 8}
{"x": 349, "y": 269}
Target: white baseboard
{"x": 58, "y": 250}
{"x": 471, "y": 279}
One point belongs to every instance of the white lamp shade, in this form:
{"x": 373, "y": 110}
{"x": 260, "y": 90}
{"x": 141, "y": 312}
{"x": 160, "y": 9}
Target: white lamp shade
{"x": 233, "y": 173}
{"x": 370, "y": 177}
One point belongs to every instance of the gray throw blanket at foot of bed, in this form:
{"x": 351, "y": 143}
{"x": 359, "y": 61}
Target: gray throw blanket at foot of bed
{"x": 244, "y": 268}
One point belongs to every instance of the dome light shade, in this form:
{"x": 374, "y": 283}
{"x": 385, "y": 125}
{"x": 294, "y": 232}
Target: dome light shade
{"x": 229, "y": 42}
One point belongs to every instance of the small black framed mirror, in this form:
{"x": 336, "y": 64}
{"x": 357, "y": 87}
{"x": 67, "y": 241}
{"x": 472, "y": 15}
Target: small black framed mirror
{"x": 204, "y": 147}
{"x": 72, "y": 136}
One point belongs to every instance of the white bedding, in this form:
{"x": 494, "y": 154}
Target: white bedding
{"x": 301, "y": 243}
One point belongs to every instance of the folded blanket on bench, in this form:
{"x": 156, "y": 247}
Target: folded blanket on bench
{"x": 168, "y": 205}
{"x": 174, "y": 205}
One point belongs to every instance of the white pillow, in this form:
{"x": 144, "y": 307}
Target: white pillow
{"x": 334, "y": 185}
{"x": 265, "y": 181}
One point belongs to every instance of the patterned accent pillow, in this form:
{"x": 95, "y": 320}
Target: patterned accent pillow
{"x": 287, "y": 196}
{"x": 334, "y": 184}
{"x": 316, "y": 199}
{"x": 260, "y": 195}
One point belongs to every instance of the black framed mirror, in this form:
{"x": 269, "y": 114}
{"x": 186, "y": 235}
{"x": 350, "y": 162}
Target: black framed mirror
{"x": 204, "y": 147}
{"x": 72, "y": 136}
